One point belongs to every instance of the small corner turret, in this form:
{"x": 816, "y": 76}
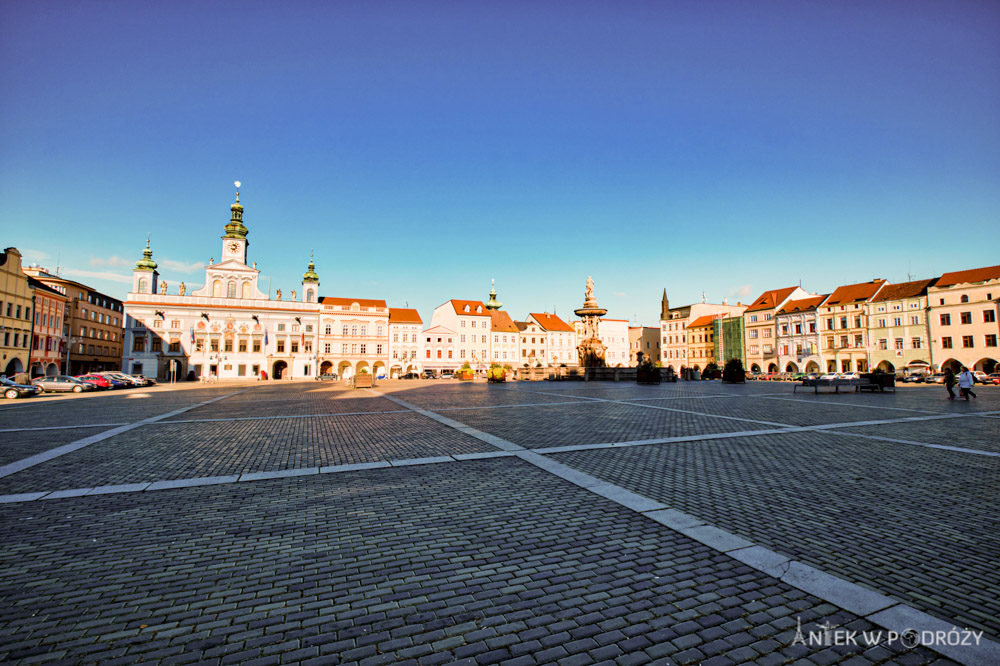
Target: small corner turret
{"x": 145, "y": 275}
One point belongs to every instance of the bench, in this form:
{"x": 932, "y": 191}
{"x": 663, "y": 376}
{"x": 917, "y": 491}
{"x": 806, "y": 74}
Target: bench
{"x": 836, "y": 384}
{"x": 363, "y": 381}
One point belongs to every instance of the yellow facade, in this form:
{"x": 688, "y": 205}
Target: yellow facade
{"x": 15, "y": 315}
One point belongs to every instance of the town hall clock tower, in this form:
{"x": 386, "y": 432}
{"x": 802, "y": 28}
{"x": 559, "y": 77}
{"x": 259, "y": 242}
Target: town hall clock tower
{"x": 234, "y": 243}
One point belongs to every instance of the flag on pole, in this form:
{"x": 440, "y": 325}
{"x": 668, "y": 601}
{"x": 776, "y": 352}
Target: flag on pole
{"x": 265, "y": 336}
{"x": 192, "y": 335}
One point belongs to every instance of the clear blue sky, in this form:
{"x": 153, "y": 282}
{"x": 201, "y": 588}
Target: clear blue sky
{"x": 422, "y": 148}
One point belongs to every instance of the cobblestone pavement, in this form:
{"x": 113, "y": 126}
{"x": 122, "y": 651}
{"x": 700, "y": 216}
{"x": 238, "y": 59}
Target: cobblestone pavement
{"x": 397, "y": 536}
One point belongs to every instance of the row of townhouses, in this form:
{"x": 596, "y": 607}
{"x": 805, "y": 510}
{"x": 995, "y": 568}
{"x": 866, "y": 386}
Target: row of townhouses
{"x": 917, "y": 326}
{"x": 229, "y": 329}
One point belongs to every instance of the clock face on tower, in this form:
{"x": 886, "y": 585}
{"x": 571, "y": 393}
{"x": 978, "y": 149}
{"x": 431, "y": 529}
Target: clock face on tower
{"x": 234, "y": 247}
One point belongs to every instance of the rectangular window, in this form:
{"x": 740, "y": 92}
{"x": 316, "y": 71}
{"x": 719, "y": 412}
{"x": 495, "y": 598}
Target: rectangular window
{"x": 946, "y": 343}
{"x": 843, "y": 342}
{"x": 843, "y": 322}
{"x": 214, "y": 346}
{"x": 915, "y": 320}
{"x": 989, "y": 316}
{"x": 364, "y": 348}
{"x": 157, "y": 344}
{"x": 378, "y": 349}
{"x": 343, "y": 348}
{"x": 859, "y": 340}
{"x": 256, "y": 347}
{"x": 915, "y": 342}
{"x": 241, "y": 370}
{"x": 139, "y": 343}
{"x": 174, "y": 347}
{"x": 326, "y": 348}
{"x": 229, "y": 345}
{"x": 967, "y": 341}
{"x": 946, "y": 320}
{"x": 428, "y": 353}
{"x": 897, "y": 321}
{"x": 812, "y": 327}
{"x": 295, "y": 346}
{"x": 281, "y": 346}
{"x": 354, "y": 349}
{"x": 857, "y": 322}
{"x": 461, "y": 338}
{"x": 281, "y": 327}
{"x": 899, "y": 343}
{"x": 966, "y": 317}
{"x": 883, "y": 344}
{"x": 991, "y": 340}
{"x": 461, "y": 353}
{"x": 243, "y": 345}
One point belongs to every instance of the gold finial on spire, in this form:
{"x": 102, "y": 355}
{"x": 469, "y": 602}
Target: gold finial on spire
{"x": 237, "y": 184}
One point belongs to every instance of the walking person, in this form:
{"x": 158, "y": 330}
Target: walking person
{"x": 965, "y": 382}
{"x": 949, "y": 383}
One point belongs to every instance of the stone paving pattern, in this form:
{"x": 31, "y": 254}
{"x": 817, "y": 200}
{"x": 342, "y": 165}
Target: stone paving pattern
{"x": 917, "y": 523}
{"x": 979, "y": 433}
{"x": 480, "y": 562}
{"x": 165, "y": 451}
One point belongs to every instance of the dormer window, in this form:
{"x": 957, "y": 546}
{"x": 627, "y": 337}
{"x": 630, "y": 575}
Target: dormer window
{"x": 479, "y": 309}
{"x": 467, "y": 309}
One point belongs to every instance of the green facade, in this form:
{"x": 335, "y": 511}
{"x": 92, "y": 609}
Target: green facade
{"x": 729, "y": 339}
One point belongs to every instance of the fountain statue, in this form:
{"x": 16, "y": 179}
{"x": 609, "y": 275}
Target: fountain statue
{"x": 591, "y": 349}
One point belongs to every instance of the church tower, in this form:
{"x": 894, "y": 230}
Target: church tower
{"x": 664, "y": 306}
{"x": 234, "y": 242}
{"x": 310, "y": 283}
{"x": 144, "y": 275}
{"x": 493, "y": 303}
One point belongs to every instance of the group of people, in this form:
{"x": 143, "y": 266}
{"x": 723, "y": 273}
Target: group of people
{"x": 965, "y": 382}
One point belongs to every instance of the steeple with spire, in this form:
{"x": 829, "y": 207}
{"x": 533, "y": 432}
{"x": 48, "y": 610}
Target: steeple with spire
{"x": 310, "y": 283}
{"x": 234, "y": 242}
{"x": 144, "y": 275}
{"x": 664, "y": 306}
{"x": 493, "y": 303}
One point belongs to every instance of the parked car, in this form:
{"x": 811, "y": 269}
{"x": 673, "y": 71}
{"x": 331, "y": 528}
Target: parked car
{"x": 910, "y": 379}
{"x": 429, "y": 374}
{"x": 97, "y": 381}
{"x": 328, "y": 377}
{"x": 798, "y": 377}
{"x": 937, "y": 378}
{"x": 850, "y": 375}
{"x": 980, "y": 376}
{"x": 149, "y": 380}
{"x": 755, "y": 376}
{"x": 121, "y": 377}
{"x": 13, "y": 390}
{"x": 115, "y": 382}
{"x": 830, "y": 375}
{"x": 62, "y": 383}
{"x": 411, "y": 375}
{"x": 993, "y": 379}
{"x": 447, "y": 374}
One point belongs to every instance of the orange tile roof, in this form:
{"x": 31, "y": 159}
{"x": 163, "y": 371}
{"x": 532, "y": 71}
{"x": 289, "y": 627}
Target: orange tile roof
{"x": 460, "y": 308}
{"x": 363, "y": 302}
{"x": 803, "y": 304}
{"x": 404, "y": 316}
{"x": 854, "y": 293}
{"x": 551, "y": 322}
{"x": 892, "y": 292}
{"x": 502, "y": 322}
{"x": 770, "y": 299}
{"x": 703, "y": 321}
{"x": 971, "y": 275}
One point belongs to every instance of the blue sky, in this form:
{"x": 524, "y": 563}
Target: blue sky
{"x": 422, "y": 148}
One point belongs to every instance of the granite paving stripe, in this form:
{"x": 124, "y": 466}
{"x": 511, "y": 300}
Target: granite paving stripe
{"x": 591, "y": 423}
{"x": 972, "y": 432}
{"x": 856, "y": 403}
{"x": 490, "y": 560}
{"x": 166, "y": 452}
{"x": 854, "y": 433}
{"x": 917, "y": 524}
{"x": 468, "y": 395}
{"x": 717, "y": 415}
{"x": 61, "y": 427}
{"x": 280, "y": 416}
{"x": 294, "y": 402}
{"x": 26, "y": 443}
{"x": 50, "y": 454}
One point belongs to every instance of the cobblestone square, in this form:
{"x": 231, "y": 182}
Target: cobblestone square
{"x": 433, "y": 522}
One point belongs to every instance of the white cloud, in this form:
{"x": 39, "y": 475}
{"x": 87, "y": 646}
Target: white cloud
{"x": 620, "y": 294}
{"x": 742, "y": 292}
{"x": 29, "y": 256}
{"x": 100, "y": 275}
{"x": 112, "y": 262}
{"x": 180, "y": 266}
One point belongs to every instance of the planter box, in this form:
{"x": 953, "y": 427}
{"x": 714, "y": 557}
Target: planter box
{"x": 363, "y": 381}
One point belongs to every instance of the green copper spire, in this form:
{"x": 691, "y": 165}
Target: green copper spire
{"x": 493, "y": 303}
{"x": 235, "y": 228}
{"x": 146, "y": 263}
{"x": 310, "y": 275}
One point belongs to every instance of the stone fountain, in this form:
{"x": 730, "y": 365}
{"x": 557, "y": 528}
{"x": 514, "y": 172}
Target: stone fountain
{"x": 591, "y": 349}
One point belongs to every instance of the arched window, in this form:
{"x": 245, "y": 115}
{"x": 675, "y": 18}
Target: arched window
{"x": 217, "y": 288}
{"x": 310, "y": 296}
{"x": 965, "y": 299}
{"x": 143, "y": 286}
{"x": 246, "y": 290}
{"x": 231, "y": 289}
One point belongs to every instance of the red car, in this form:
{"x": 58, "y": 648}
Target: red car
{"x": 96, "y": 380}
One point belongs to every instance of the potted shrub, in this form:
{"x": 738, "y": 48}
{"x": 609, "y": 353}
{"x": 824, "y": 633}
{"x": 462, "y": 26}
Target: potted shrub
{"x": 647, "y": 373}
{"x": 711, "y": 371}
{"x": 496, "y": 374}
{"x": 733, "y": 372}
{"x": 465, "y": 372}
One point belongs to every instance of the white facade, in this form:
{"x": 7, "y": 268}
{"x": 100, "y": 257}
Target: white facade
{"x": 471, "y": 325}
{"x": 561, "y": 339}
{"x": 439, "y": 349}
{"x": 533, "y": 344}
{"x": 405, "y": 342}
{"x": 226, "y": 329}
{"x": 354, "y": 336}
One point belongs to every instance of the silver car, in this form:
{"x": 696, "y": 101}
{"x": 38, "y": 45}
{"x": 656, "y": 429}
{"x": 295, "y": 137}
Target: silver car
{"x": 62, "y": 383}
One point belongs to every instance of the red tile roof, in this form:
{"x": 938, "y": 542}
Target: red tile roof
{"x": 551, "y": 322}
{"x": 460, "y": 308}
{"x": 802, "y": 305}
{"x": 404, "y": 316}
{"x": 363, "y": 302}
{"x": 854, "y": 293}
{"x": 893, "y": 292}
{"x": 703, "y": 321}
{"x": 770, "y": 299}
{"x": 502, "y": 322}
{"x": 971, "y": 275}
